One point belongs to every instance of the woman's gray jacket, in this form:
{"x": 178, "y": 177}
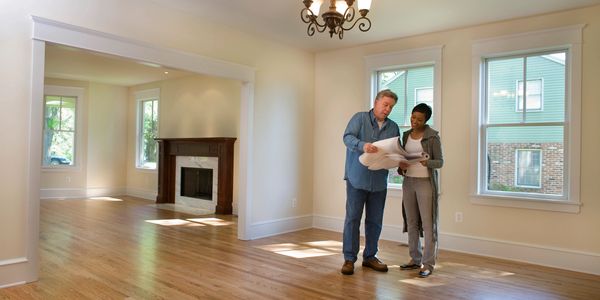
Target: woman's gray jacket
{"x": 433, "y": 146}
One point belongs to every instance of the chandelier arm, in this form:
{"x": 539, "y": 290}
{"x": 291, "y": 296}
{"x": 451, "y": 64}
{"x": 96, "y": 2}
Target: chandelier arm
{"x": 364, "y": 24}
{"x": 349, "y": 14}
{"x": 309, "y": 17}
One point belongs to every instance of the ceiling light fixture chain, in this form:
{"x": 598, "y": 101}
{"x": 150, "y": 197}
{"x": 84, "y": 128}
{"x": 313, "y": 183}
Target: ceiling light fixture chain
{"x": 337, "y": 22}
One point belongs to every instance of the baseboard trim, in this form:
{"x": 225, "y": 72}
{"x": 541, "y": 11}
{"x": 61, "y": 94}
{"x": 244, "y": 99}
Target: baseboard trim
{"x": 13, "y": 261}
{"x": 14, "y": 272}
{"x": 534, "y": 254}
{"x": 275, "y": 227}
{"x": 74, "y": 193}
{"x": 141, "y": 193}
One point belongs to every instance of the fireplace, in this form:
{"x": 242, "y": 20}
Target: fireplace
{"x": 177, "y": 155}
{"x": 196, "y": 183}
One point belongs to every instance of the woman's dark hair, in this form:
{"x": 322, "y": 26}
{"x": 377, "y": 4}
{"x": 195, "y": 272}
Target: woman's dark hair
{"x": 424, "y": 109}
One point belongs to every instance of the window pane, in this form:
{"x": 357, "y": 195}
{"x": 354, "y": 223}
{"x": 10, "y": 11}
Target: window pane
{"x": 419, "y": 79}
{"x": 59, "y": 131}
{"x": 395, "y": 81}
{"x": 52, "y": 113}
{"x": 502, "y": 90}
{"x": 59, "y": 148}
{"x": 149, "y": 131}
{"x": 67, "y": 113}
{"x": 546, "y": 88}
{"x": 525, "y": 159}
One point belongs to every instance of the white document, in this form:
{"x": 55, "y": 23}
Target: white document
{"x": 389, "y": 154}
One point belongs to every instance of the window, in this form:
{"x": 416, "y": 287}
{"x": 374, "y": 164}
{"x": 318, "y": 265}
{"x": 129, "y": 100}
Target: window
{"x": 527, "y": 131}
{"x": 147, "y": 147}
{"x": 528, "y": 166}
{"x": 415, "y": 76}
{"x": 534, "y": 94}
{"x": 60, "y": 126}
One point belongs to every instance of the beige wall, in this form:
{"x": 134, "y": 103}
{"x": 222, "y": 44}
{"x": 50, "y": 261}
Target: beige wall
{"x": 103, "y": 142}
{"x": 192, "y": 106}
{"x": 107, "y": 137}
{"x": 341, "y": 87}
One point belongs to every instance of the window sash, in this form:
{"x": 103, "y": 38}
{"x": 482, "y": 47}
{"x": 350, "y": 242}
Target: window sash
{"x": 148, "y": 152}
{"x": 64, "y": 129}
{"x": 485, "y": 126}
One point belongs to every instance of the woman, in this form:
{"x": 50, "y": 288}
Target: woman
{"x": 420, "y": 191}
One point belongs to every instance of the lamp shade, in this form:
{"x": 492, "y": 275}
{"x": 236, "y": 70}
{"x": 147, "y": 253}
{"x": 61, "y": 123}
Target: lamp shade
{"x": 341, "y": 6}
{"x": 315, "y": 7}
{"x": 364, "y": 4}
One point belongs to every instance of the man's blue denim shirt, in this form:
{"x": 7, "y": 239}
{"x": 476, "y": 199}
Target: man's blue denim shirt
{"x": 362, "y": 129}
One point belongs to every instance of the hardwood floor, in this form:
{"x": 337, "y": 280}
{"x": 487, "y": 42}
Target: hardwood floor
{"x": 102, "y": 249}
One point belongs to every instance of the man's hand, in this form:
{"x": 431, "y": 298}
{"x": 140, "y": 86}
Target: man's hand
{"x": 369, "y": 148}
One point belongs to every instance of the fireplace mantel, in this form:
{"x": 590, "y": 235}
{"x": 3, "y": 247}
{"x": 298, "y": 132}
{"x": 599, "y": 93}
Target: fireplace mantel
{"x": 221, "y": 147}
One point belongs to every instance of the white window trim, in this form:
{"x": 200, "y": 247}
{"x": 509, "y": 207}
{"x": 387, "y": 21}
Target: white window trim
{"x": 140, "y": 96}
{"x": 407, "y": 59}
{"x": 79, "y": 94}
{"x": 541, "y": 96}
{"x": 569, "y": 38}
{"x": 517, "y": 169}
{"x": 421, "y": 89}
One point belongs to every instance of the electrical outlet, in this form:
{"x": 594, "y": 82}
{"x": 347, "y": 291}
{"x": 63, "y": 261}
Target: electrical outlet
{"x": 294, "y": 202}
{"x": 68, "y": 179}
{"x": 458, "y": 217}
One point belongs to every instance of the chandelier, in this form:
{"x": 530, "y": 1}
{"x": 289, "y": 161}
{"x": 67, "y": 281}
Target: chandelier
{"x": 339, "y": 17}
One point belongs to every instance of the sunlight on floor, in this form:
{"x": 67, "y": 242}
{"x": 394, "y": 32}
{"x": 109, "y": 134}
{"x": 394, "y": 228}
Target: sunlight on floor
{"x": 478, "y": 272}
{"x": 304, "y": 250}
{"x": 105, "y": 199}
{"x": 433, "y": 280}
{"x": 465, "y": 271}
{"x": 174, "y": 222}
{"x": 211, "y": 221}
{"x": 192, "y": 222}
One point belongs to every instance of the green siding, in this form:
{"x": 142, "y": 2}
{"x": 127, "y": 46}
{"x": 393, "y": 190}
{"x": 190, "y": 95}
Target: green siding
{"x": 503, "y": 78}
{"x": 421, "y": 77}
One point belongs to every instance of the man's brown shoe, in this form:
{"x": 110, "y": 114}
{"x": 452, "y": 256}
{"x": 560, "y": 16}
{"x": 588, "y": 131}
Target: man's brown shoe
{"x": 375, "y": 264}
{"x": 348, "y": 268}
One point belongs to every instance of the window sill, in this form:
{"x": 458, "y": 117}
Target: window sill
{"x": 527, "y": 203}
{"x": 59, "y": 169}
{"x": 146, "y": 170}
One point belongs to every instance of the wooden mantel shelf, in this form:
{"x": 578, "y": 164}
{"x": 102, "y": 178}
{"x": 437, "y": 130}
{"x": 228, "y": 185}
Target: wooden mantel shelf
{"x": 221, "y": 147}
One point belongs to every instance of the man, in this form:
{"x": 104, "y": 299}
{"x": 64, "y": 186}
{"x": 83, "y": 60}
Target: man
{"x": 365, "y": 188}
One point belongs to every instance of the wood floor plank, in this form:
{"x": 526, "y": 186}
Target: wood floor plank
{"x": 124, "y": 249}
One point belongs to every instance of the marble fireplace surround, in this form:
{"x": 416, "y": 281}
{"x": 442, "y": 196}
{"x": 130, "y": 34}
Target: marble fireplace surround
{"x": 220, "y": 147}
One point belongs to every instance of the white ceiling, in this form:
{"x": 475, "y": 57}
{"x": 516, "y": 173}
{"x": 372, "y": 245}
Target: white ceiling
{"x": 280, "y": 19}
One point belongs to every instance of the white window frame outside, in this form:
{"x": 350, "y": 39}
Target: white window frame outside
{"x": 78, "y": 93}
{"x": 519, "y": 97}
{"x": 417, "y": 90}
{"x": 517, "y": 168}
{"x": 140, "y": 97}
{"x": 430, "y": 56}
{"x": 565, "y": 38}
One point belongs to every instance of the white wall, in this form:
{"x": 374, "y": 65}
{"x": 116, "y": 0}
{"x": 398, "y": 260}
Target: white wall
{"x": 341, "y": 86}
{"x": 283, "y": 110}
